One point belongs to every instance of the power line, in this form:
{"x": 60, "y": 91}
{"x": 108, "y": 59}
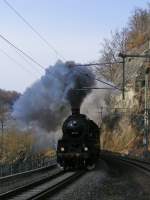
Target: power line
{"x": 33, "y": 29}
{"x": 28, "y": 62}
{"x": 100, "y": 63}
{"x": 15, "y": 61}
{"x": 93, "y": 88}
{"x": 104, "y": 82}
{"x": 21, "y": 51}
{"x": 100, "y": 88}
{"x": 133, "y": 55}
{"x": 108, "y": 84}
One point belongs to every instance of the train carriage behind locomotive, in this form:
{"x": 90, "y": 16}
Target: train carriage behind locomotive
{"x": 80, "y": 144}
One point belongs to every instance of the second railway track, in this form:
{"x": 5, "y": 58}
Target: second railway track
{"x": 42, "y": 188}
{"x": 138, "y": 164}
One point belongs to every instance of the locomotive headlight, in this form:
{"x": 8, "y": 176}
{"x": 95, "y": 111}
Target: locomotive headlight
{"x": 85, "y": 148}
{"x": 62, "y": 149}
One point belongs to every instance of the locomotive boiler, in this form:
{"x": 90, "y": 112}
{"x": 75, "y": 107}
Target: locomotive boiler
{"x": 79, "y": 146}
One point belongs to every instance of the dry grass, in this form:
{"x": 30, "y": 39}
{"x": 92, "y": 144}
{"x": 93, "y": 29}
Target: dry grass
{"x": 121, "y": 138}
{"x": 13, "y": 144}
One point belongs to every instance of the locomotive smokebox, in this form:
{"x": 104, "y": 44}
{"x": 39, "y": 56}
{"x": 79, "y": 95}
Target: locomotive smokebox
{"x": 75, "y": 111}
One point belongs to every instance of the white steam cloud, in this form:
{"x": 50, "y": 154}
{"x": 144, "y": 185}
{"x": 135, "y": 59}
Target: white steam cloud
{"x": 96, "y": 103}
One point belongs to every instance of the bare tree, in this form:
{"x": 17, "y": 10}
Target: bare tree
{"x": 136, "y": 34}
{"x": 139, "y": 27}
{"x": 110, "y": 50}
{"x": 3, "y": 118}
{"x": 3, "y": 111}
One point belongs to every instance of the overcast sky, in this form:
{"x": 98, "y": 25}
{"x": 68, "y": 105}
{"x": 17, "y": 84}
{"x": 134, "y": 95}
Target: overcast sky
{"x": 75, "y": 28}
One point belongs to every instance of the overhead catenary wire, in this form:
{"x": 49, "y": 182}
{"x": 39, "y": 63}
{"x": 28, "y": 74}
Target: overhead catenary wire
{"x": 28, "y": 62}
{"x": 34, "y": 30}
{"x": 16, "y": 62}
{"x": 34, "y": 61}
{"x": 106, "y": 83}
{"x": 99, "y": 80}
{"x": 98, "y": 63}
{"x": 21, "y": 51}
{"x": 93, "y": 88}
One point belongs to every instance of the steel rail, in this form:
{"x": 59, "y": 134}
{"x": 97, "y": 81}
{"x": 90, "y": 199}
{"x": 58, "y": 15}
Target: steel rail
{"x": 138, "y": 166}
{"x": 29, "y": 172}
{"x": 26, "y": 187}
{"x": 141, "y": 165}
{"x": 57, "y": 187}
{"x": 44, "y": 187}
{"x": 136, "y": 160}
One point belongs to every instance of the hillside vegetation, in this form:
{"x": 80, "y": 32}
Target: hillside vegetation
{"x": 123, "y": 126}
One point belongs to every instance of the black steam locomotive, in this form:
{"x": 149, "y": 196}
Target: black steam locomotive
{"x": 80, "y": 143}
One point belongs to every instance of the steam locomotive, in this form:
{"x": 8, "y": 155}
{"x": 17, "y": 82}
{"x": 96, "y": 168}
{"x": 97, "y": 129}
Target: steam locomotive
{"x": 79, "y": 146}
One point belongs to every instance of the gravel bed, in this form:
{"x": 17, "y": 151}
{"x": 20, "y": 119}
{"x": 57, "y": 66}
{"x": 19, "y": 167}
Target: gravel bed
{"x": 129, "y": 186}
{"x": 108, "y": 183}
{"x": 86, "y": 187}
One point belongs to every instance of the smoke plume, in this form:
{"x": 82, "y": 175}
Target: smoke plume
{"x": 47, "y": 102}
{"x": 96, "y": 104}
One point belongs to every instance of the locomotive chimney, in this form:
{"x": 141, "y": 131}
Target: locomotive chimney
{"x": 70, "y": 64}
{"x": 75, "y": 111}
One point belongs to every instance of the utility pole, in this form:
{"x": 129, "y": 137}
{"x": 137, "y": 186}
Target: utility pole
{"x": 146, "y": 113}
{"x": 2, "y": 136}
{"x": 147, "y": 104}
{"x": 3, "y": 110}
{"x": 101, "y": 112}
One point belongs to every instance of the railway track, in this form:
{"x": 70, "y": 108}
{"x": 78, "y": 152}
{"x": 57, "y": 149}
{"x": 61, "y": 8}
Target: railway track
{"x": 42, "y": 188}
{"x": 138, "y": 164}
{"x": 11, "y": 182}
{"x": 141, "y": 165}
